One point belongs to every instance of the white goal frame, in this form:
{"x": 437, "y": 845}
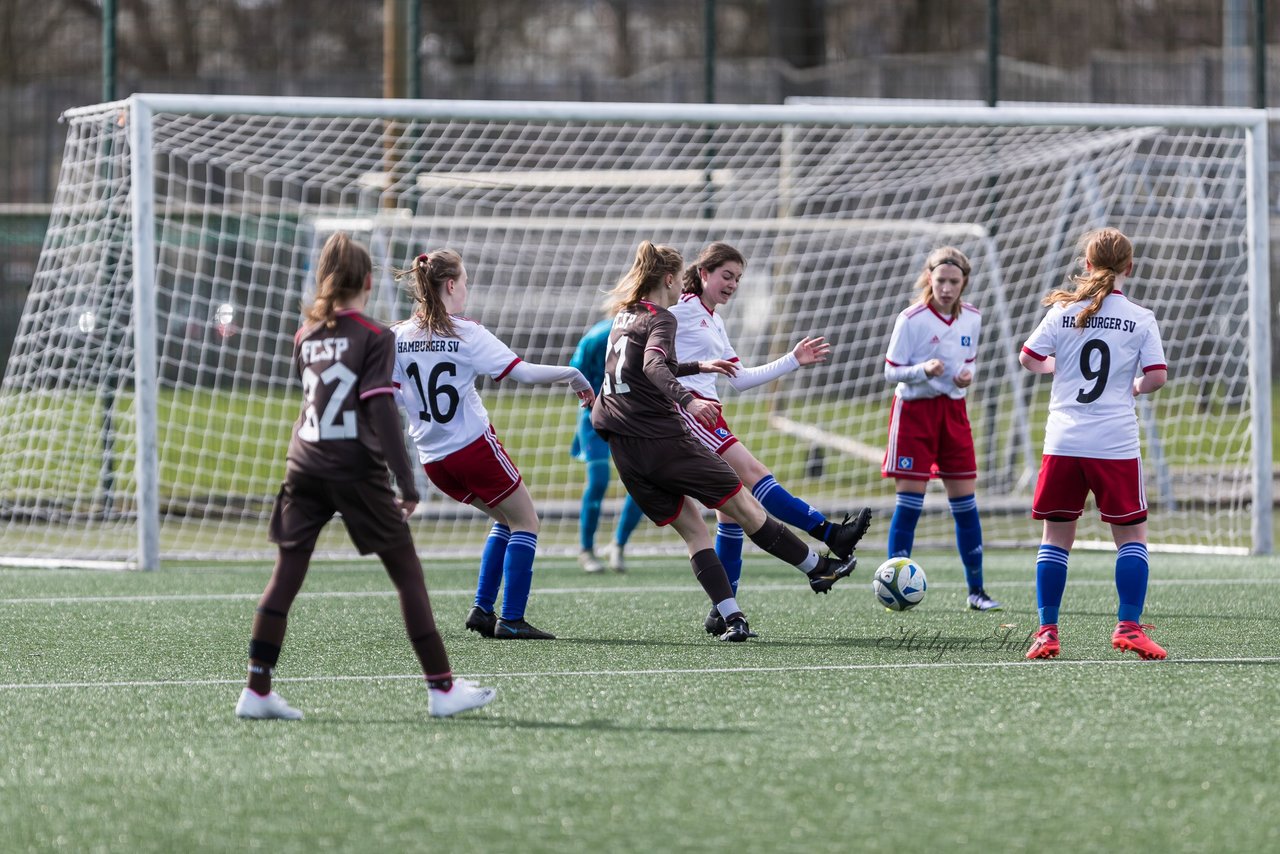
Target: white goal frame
{"x": 140, "y": 109}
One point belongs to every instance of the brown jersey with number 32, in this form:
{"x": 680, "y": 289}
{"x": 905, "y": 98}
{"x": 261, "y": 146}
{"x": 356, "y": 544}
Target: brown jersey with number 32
{"x": 339, "y": 368}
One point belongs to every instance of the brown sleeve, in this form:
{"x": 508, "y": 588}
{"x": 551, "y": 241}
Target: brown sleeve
{"x": 685, "y": 369}
{"x": 660, "y": 362}
{"x": 384, "y": 420}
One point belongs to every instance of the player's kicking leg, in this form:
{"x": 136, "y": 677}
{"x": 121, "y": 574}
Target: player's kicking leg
{"x": 840, "y": 537}
{"x": 776, "y": 539}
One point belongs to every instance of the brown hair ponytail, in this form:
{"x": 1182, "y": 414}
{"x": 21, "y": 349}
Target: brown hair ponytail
{"x": 343, "y": 269}
{"x": 430, "y": 272}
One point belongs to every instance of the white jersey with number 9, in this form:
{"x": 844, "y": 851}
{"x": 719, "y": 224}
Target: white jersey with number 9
{"x": 1091, "y": 409}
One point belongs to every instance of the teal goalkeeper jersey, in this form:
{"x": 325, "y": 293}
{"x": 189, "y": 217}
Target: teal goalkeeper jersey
{"x": 589, "y": 356}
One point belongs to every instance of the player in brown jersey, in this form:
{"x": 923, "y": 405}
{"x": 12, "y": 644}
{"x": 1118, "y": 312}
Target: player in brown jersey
{"x": 347, "y": 436}
{"x": 659, "y": 461}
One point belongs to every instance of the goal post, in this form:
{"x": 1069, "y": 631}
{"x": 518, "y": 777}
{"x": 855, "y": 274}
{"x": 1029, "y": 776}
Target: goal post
{"x": 147, "y": 403}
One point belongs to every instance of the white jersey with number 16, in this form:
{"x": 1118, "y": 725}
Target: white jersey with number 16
{"x": 1091, "y": 409}
{"x": 435, "y": 377}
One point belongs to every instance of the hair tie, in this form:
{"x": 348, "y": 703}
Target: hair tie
{"x": 423, "y": 258}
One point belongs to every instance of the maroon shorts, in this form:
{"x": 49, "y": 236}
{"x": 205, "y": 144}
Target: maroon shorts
{"x": 659, "y": 473}
{"x": 369, "y": 509}
{"x": 480, "y": 470}
{"x": 1065, "y": 481}
{"x": 928, "y": 438}
{"x": 717, "y": 439}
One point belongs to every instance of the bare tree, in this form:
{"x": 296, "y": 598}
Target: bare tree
{"x": 54, "y": 38}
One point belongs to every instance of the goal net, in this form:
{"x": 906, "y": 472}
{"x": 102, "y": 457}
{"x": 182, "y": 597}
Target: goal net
{"x": 148, "y": 400}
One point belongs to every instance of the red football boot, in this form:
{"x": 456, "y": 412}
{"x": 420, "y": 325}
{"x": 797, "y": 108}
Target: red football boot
{"x": 1133, "y": 636}
{"x": 1046, "y": 643}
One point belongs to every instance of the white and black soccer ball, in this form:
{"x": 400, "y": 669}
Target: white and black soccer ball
{"x": 899, "y": 584}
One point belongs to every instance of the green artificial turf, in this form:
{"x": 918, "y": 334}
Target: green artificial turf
{"x": 842, "y": 727}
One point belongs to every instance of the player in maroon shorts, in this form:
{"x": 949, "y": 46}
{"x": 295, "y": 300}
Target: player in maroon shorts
{"x": 709, "y": 283}
{"x": 343, "y": 442}
{"x": 931, "y": 360}
{"x": 1103, "y": 351}
{"x": 440, "y": 354}
{"x": 659, "y": 461}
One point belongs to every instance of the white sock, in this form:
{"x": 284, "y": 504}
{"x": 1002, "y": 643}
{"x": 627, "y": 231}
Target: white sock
{"x": 727, "y": 607}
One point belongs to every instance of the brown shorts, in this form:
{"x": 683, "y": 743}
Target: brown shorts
{"x": 305, "y": 504}
{"x": 659, "y": 473}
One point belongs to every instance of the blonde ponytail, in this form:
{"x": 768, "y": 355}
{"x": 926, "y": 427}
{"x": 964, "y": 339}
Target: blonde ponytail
{"x": 653, "y": 262}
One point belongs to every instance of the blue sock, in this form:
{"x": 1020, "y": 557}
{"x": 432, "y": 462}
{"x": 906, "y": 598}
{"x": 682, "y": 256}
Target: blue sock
{"x": 495, "y": 550}
{"x": 969, "y": 539}
{"x": 589, "y": 518}
{"x": 902, "y": 527}
{"x": 784, "y": 506}
{"x": 628, "y": 519}
{"x": 1051, "y": 580}
{"x": 1131, "y": 581}
{"x": 517, "y": 574}
{"x": 729, "y": 536}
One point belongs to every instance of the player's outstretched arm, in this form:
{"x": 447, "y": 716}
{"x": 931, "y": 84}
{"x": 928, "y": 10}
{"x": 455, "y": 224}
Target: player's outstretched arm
{"x": 811, "y": 351}
{"x": 534, "y": 374}
{"x": 718, "y": 366}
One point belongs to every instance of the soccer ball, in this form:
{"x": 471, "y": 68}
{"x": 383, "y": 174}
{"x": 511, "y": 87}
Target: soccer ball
{"x": 899, "y": 584}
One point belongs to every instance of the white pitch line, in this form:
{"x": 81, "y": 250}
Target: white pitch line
{"x": 682, "y": 671}
{"x": 582, "y": 591}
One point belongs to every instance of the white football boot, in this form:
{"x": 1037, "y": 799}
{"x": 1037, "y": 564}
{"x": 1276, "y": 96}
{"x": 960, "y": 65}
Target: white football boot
{"x": 614, "y": 553}
{"x": 254, "y": 706}
{"x": 980, "y": 601}
{"x": 463, "y": 695}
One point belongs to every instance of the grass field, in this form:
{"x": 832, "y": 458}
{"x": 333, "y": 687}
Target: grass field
{"x": 222, "y": 456}
{"x": 843, "y": 727}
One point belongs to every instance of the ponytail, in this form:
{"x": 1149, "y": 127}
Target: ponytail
{"x": 1107, "y": 255}
{"x": 429, "y": 273}
{"x": 652, "y": 263}
{"x": 341, "y": 273}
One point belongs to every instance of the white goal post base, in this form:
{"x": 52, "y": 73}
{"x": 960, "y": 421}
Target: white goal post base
{"x": 147, "y": 403}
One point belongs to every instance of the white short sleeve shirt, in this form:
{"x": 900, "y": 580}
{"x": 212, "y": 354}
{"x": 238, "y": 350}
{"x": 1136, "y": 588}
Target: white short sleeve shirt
{"x": 435, "y": 379}
{"x": 1091, "y": 407}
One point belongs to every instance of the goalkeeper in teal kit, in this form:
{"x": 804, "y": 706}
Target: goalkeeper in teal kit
{"x": 592, "y": 450}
